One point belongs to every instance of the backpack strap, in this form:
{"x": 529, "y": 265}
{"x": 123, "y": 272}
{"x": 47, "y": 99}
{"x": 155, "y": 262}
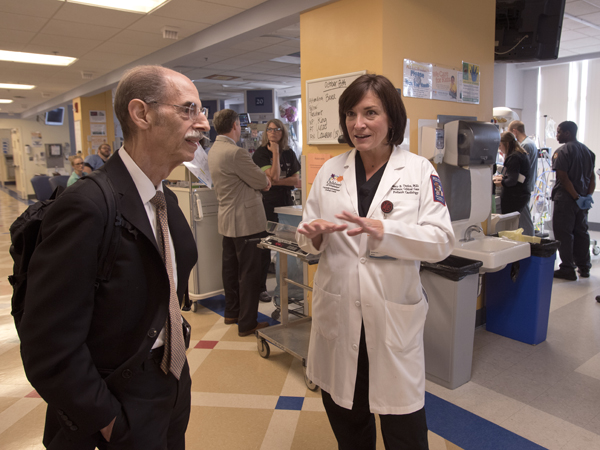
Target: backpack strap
{"x": 112, "y": 236}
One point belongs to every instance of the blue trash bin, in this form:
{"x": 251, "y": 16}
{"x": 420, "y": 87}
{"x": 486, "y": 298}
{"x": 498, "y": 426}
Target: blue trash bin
{"x": 518, "y": 297}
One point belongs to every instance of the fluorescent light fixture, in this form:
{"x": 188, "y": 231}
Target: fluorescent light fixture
{"x": 138, "y": 6}
{"x": 36, "y": 58}
{"x": 5, "y": 100}
{"x": 16, "y": 86}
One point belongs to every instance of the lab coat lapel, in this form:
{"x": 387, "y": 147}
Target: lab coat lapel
{"x": 390, "y": 176}
{"x": 350, "y": 180}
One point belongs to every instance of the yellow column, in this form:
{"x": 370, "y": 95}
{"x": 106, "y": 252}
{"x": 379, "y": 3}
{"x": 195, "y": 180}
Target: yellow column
{"x": 377, "y": 35}
{"x": 83, "y": 124}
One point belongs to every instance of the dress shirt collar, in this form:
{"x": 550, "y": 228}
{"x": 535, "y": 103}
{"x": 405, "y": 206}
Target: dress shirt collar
{"x": 145, "y": 188}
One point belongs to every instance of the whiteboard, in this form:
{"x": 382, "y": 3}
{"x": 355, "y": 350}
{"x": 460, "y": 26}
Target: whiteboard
{"x": 322, "y": 116}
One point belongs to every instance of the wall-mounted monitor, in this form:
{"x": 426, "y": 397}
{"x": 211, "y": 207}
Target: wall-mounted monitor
{"x": 261, "y": 104}
{"x": 56, "y": 116}
{"x": 528, "y": 30}
{"x": 245, "y": 120}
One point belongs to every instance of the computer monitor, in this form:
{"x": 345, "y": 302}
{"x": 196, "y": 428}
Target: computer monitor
{"x": 245, "y": 120}
{"x": 55, "y": 117}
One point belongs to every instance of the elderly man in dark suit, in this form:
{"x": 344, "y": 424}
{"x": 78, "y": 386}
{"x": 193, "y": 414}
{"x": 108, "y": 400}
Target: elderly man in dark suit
{"x": 109, "y": 358}
{"x": 241, "y": 220}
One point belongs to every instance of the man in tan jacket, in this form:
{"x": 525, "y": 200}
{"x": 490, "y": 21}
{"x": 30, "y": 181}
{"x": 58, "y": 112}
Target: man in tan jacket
{"x": 237, "y": 182}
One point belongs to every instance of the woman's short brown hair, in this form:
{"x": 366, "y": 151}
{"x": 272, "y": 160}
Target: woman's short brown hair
{"x": 389, "y": 97}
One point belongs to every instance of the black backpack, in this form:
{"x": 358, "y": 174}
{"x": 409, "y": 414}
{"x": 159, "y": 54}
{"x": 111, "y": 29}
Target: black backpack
{"x": 24, "y": 236}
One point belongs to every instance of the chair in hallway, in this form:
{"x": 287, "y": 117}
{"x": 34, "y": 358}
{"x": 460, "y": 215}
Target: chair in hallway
{"x": 59, "y": 180}
{"x": 41, "y": 187}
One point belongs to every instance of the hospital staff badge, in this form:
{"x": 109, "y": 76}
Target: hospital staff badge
{"x": 438, "y": 193}
{"x": 334, "y": 183}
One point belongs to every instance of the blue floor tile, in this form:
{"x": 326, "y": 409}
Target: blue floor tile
{"x": 290, "y": 403}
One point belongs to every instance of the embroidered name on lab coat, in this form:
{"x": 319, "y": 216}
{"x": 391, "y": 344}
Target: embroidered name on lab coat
{"x": 334, "y": 183}
{"x": 405, "y": 189}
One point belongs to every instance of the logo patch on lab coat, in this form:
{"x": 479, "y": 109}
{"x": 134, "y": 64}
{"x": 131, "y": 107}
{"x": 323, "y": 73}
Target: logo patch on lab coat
{"x": 334, "y": 183}
{"x": 438, "y": 193}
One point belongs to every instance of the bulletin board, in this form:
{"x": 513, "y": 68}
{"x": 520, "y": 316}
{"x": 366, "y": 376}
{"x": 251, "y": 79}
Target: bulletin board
{"x": 322, "y": 117}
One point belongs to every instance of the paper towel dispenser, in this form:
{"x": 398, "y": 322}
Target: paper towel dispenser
{"x": 470, "y": 143}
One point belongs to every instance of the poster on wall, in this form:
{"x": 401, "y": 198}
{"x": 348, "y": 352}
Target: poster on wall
{"x": 470, "y": 83}
{"x": 98, "y": 129}
{"x": 98, "y": 116}
{"x": 417, "y": 79}
{"x": 444, "y": 84}
{"x": 36, "y": 138}
{"x": 96, "y": 142}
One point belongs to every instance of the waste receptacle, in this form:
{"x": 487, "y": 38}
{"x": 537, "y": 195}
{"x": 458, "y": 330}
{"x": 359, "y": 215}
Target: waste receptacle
{"x": 517, "y": 298}
{"x": 451, "y": 287}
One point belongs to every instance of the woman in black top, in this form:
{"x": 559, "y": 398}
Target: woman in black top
{"x": 280, "y": 164}
{"x": 516, "y": 170}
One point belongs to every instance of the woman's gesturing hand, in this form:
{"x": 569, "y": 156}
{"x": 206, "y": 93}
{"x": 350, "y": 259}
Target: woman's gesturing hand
{"x": 319, "y": 227}
{"x": 370, "y": 226}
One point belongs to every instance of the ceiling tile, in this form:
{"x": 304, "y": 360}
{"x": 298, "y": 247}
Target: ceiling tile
{"x": 9, "y": 21}
{"x": 569, "y": 35}
{"x": 14, "y": 37}
{"x": 153, "y": 39}
{"x": 36, "y": 8}
{"x": 152, "y": 23}
{"x": 593, "y": 18}
{"x": 575, "y": 43}
{"x": 125, "y": 49}
{"x": 59, "y": 49}
{"x": 569, "y": 24}
{"x": 589, "y": 49}
{"x": 63, "y": 44}
{"x": 78, "y": 29}
{"x": 580, "y": 7}
{"x": 245, "y": 4}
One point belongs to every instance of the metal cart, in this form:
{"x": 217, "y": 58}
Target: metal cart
{"x": 291, "y": 337}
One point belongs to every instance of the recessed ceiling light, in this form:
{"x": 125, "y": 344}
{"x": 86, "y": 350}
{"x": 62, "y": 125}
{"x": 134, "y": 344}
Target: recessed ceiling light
{"x": 16, "y": 86}
{"x": 36, "y": 58}
{"x": 138, "y": 6}
{"x": 5, "y": 100}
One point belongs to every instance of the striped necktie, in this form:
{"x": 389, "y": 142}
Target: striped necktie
{"x": 174, "y": 357}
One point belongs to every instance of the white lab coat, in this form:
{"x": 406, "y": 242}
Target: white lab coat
{"x": 351, "y": 286}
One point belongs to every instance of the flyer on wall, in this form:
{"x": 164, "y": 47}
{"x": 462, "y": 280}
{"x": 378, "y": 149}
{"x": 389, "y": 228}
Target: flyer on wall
{"x": 470, "y": 83}
{"x": 444, "y": 84}
{"x": 417, "y": 79}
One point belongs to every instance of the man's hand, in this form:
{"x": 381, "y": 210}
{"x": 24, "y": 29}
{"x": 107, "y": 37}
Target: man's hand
{"x": 497, "y": 180}
{"x": 370, "y": 226}
{"x": 268, "y": 185}
{"x": 107, "y": 430}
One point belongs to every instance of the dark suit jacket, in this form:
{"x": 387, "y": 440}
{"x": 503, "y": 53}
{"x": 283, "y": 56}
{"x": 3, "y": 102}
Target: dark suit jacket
{"x": 81, "y": 344}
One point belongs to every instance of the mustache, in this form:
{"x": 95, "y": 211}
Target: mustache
{"x": 194, "y": 135}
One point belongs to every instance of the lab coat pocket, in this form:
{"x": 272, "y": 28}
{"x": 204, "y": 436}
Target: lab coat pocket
{"x": 326, "y": 312}
{"x": 404, "y": 323}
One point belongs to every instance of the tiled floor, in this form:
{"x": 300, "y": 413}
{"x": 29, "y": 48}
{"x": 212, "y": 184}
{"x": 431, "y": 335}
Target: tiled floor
{"x": 548, "y": 394}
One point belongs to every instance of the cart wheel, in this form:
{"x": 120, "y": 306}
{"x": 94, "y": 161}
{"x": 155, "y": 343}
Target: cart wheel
{"x": 275, "y": 314}
{"x": 596, "y": 250}
{"x": 263, "y": 348}
{"x": 309, "y": 384}
{"x": 194, "y": 307}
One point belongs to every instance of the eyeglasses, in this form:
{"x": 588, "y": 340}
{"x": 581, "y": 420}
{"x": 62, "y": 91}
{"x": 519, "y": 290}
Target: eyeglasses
{"x": 273, "y": 130}
{"x": 192, "y": 109}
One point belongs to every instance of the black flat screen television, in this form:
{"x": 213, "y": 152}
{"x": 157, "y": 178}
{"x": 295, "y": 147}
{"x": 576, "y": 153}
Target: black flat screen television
{"x": 528, "y": 30}
{"x": 56, "y": 116}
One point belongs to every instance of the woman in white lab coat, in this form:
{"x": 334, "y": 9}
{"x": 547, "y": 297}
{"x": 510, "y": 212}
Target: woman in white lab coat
{"x": 373, "y": 214}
